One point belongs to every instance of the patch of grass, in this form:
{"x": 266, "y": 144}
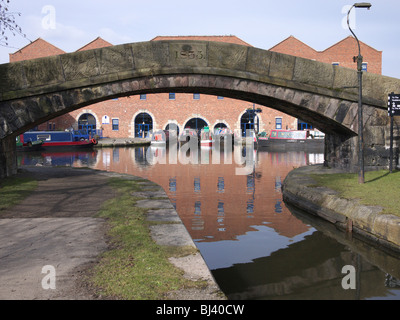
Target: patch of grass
{"x": 14, "y": 189}
{"x": 381, "y": 188}
{"x": 136, "y": 267}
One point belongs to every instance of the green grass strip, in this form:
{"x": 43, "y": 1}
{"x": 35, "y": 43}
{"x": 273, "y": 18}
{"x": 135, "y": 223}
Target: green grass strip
{"x": 14, "y": 189}
{"x": 136, "y": 268}
{"x": 381, "y": 188}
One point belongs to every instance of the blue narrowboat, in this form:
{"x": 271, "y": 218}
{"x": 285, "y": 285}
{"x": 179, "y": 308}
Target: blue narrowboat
{"x": 60, "y": 139}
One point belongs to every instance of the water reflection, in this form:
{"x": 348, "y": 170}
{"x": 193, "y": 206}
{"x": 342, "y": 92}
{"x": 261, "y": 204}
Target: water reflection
{"x": 256, "y": 247}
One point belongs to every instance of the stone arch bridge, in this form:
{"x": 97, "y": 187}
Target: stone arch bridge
{"x": 324, "y": 95}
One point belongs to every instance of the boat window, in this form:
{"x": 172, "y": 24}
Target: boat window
{"x": 44, "y": 137}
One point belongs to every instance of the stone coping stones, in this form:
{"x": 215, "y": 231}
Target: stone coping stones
{"x": 300, "y": 190}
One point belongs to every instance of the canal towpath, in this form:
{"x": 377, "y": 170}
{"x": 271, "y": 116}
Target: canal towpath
{"x": 57, "y": 226}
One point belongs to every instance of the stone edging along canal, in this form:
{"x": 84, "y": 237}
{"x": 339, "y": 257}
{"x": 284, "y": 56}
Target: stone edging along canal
{"x": 301, "y": 191}
{"x": 170, "y": 231}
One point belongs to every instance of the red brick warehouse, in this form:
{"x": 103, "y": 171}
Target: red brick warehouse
{"x": 134, "y": 115}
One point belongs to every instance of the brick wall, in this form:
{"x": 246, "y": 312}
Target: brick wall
{"x": 341, "y": 53}
{"x": 179, "y": 111}
{"x": 36, "y": 49}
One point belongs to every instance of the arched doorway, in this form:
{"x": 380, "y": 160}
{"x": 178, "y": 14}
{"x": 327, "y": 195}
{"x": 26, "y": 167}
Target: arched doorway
{"x": 87, "y": 122}
{"x": 249, "y": 121}
{"x": 196, "y": 123}
{"x": 143, "y": 124}
{"x": 172, "y": 127}
{"x": 219, "y": 126}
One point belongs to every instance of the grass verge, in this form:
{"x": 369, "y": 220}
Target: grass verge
{"x": 136, "y": 267}
{"x": 381, "y": 188}
{"x": 14, "y": 189}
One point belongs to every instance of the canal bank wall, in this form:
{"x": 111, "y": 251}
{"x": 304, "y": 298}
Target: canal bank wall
{"x": 301, "y": 191}
{"x": 122, "y": 142}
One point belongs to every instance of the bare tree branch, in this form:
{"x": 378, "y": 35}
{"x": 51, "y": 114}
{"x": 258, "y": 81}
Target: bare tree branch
{"x": 8, "y": 23}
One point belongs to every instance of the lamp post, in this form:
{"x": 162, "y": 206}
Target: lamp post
{"x": 359, "y": 60}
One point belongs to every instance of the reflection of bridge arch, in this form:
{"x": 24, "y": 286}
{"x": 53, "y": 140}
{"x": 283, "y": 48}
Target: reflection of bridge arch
{"x": 35, "y": 91}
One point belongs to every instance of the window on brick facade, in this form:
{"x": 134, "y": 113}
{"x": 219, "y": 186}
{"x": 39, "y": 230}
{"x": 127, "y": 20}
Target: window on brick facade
{"x": 172, "y": 96}
{"x": 115, "y": 124}
{"x": 278, "y": 123}
{"x": 143, "y": 97}
{"x": 196, "y": 96}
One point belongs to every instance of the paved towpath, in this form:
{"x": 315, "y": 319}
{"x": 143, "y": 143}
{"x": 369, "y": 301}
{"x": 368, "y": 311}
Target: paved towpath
{"x": 56, "y": 226}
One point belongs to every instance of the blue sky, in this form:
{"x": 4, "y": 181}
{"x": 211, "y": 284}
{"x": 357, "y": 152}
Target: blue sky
{"x": 261, "y": 23}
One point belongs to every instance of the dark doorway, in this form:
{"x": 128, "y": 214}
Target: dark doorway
{"x": 143, "y": 124}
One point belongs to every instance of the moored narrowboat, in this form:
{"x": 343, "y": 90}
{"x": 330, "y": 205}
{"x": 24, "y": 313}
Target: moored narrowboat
{"x": 160, "y": 138}
{"x": 188, "y": 134}
{"x": 61, "y": 139}
{"x": 206, "y": 137}
{"x": 292, "y": 138}
{"x": 23, "y": 145}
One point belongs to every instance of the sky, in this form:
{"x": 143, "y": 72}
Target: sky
{"x": 69, "y": 25}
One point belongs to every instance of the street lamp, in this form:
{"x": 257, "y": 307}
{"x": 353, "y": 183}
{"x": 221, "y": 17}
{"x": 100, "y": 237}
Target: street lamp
{"x": 359, "y": 60}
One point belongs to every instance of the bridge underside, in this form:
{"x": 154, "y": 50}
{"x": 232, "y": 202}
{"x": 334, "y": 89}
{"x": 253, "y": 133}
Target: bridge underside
{"x": 337, "y": 118}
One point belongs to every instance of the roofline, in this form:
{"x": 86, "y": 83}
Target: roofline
{"x": 294, "y": 38}
{"x": 34, "y": 42}
{"x": 92, "y": 42}
{"x": 367, "y": 45}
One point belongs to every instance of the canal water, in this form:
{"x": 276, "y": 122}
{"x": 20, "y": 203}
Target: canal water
{"x": 255, "y": 246}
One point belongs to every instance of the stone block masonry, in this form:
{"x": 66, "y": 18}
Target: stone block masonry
{"x": 299, "y": 190}
{"x": 305, "y": 89}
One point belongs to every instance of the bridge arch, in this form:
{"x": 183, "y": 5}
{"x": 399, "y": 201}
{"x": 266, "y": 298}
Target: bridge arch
{"x": 35, "y": 91}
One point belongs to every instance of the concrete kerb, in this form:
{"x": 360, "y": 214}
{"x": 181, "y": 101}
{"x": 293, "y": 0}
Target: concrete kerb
{"x": 169, "y": 230}
{"x": 301, "y": 191}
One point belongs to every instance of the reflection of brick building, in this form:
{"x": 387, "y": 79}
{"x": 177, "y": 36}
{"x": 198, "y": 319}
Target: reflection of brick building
{"x": 212, "y": 200}
{"x": 131, "y": 116}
